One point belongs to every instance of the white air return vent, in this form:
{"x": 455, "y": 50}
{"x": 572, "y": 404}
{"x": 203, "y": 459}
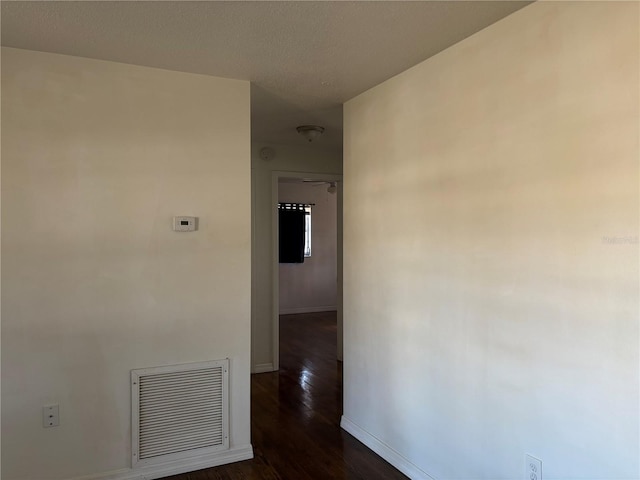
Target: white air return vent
{"x": 179, "y": 411}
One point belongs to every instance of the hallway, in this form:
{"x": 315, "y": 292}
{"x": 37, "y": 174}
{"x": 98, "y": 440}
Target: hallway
{"x": 296, "y": 415}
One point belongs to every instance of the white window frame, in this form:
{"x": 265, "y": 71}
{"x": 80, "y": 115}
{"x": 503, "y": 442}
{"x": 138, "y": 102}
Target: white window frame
{"x": 307, "y": 231}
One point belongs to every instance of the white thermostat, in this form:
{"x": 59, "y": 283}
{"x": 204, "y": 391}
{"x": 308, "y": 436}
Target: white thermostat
{"x": 184, "y": 224}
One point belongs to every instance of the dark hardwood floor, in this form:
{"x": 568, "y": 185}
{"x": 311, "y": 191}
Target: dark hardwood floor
{"x": 295, "y": 415}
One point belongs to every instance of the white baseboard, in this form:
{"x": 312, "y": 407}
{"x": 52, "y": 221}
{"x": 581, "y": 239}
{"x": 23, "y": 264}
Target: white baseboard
{"x": 151, "y": 472}
{"x": 385, "y": 451}
{"x": 292, "y": 311}
{"x": 263, "y": 368}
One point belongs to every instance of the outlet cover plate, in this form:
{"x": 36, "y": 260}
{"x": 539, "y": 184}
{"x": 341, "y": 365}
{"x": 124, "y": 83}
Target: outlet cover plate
{"x": 533, "y": 468}
{"x": 50, "y": 416}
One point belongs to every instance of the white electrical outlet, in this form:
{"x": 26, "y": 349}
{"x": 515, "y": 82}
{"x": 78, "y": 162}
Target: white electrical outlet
{"x": 533, "y": 468}
{"x": 50, "y": 416}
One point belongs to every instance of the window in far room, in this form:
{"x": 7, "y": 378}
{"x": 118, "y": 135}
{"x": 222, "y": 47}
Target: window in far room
{"x": 294, "y": 232}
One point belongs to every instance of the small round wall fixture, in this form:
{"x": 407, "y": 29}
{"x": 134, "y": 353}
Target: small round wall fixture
{"x": 310, "y": 132}
{"x": 267, "y": 154}
{"x": 333, "y": 187}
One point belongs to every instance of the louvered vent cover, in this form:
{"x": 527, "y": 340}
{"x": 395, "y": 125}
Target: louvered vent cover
{"x": 179, "y": 411}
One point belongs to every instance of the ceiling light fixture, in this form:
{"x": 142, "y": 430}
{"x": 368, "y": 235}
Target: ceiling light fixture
{"x": 310, "y": 132}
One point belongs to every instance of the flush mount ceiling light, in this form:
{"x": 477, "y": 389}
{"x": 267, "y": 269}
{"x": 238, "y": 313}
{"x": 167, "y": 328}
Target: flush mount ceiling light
{"x": 310, "y": 132}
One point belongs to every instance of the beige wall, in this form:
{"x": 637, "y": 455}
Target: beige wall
{"x": 485, "y": 316}
{"x": 307, "y": 159}
{"x": 96, "y": 159}
{"x": 312, "y": 286}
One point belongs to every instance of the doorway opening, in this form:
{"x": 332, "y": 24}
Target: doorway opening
{"x": 309, "y": 288}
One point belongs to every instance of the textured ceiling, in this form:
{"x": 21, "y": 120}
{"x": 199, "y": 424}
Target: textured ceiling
{"x": 304, "y": 59}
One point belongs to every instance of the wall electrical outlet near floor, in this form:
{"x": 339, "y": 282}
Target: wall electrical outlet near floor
{"x": 50, "y": 416}
{"x": 533, "y": 468}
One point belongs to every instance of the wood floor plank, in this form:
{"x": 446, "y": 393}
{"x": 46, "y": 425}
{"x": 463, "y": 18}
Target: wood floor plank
{"x": 295, "y": 415}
